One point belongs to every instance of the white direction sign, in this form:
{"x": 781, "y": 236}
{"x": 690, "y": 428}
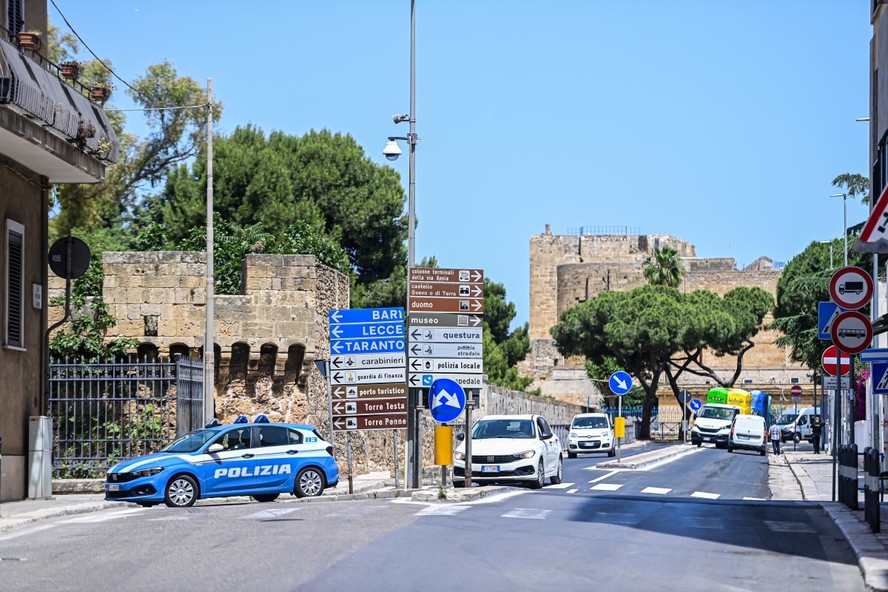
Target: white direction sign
{"x": 425, "y": 379}
{"x": 446, "y": 334}
{"x": 446, "y": 350}
{"x": 369, "y": 376}
{"x": 446, "y": 365}
{"x": 353, "y": 362}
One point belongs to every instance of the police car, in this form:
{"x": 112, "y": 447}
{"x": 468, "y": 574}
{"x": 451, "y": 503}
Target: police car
{"x": 258, "y": 459}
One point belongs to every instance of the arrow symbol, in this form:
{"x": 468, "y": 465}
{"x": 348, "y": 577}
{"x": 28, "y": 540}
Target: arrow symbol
{"x": 338, "y": 390}
{"x": 476, "y": 290}
{"x": 336, "y": 316}
{"x": 336, "y": 362}
{"x": 415, "y": 349}
{"x": 337, "y": 424}
{"x": 337, "y": 408}
{"x": 477, "y": 276}
{"x": 413, "y": 380}
{"x": 415, "y": 334}
{"x": 477, "y": 305}
{"x": 476, "y": 320}
{"x": 336, "y": 332}
{"x": 337, "y": 377}
{"x": 337, "y": 346}
{"x": 414, "y": 364}
{"x": 445, "y": 398}
{"x": 620, "y": 383}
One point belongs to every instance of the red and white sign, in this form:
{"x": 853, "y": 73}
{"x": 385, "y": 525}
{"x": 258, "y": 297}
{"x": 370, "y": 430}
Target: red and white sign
{"x": 832, "y": 360}
{"x": 852, "y": 332}
{"x": 796, "y": 390}
{"x": 874, "y": 238}
{"x": 851, "y": 287}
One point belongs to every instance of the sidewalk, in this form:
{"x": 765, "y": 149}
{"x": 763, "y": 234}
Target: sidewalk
{"x": 792, "y": 476}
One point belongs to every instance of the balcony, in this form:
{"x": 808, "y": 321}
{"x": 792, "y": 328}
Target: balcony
{"x": 43, "y": 119}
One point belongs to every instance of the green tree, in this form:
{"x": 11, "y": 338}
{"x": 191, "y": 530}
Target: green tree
{"x": 854, "y": 185}
{"x": 641, "y": 329}
{"x": 321, "y": 178}
{"x": 503, "y": 348}
{"x": 664, "y": 268}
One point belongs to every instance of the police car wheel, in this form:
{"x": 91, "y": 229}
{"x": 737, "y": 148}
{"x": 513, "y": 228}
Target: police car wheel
{"x": 309, "y": 483}
{"x": 265, "y": 497}
{"x": 181, "y": 492}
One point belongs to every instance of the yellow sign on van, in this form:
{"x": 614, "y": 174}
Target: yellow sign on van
{"x": 620, "y": 427}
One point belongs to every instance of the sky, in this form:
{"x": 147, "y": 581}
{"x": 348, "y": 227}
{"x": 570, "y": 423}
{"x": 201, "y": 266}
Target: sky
{"x": 720, "y": 123}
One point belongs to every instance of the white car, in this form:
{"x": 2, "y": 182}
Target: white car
{"x": 591, "y": 432}
{"x": 510, "y": 448}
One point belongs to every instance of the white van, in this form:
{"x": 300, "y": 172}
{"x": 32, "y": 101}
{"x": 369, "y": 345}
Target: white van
{"x": 713, "y": 423}
{"x": 748, "y": 432}
{"x": 796, "y": 425}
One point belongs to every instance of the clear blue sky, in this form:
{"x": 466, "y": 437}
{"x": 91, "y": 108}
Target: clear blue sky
{"x": 721, "y": 123}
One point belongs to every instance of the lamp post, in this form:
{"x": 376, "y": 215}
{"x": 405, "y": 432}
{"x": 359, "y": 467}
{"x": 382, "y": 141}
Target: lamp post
{"x": 392, "y": 151}
{"x": 844, "y": 197}
{"x": 826, "y": 242}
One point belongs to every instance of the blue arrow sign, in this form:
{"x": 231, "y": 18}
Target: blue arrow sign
{"x": 368, "y": 346}
{"x": 873, "y": 355}
{"x": 367, "y": 330}
{"x": 826, "y": 314}
{"x": 365, "y": 315}
{"x": 880, "y": 377}
{"x": 620, "y": 382}
{"x": 695, "y": 405}
{"x": 446, "y": 400}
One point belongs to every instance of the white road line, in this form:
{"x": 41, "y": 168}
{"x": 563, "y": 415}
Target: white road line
{"x": 607, "y": 486}
{"x": 560, "y": 486}
{"x": 270, "y": 513}
{"x": 441, "y": 510}
{"x": 656, "y": 490}
{"x": 605, "y": 476}
{"x": 527, "y": 514}
{"x": 30, "y": 530}
{"x": 572, "y": 490}
{"x": 705, "y": 495}
{"x": 168, "y": 519}
{"x": 97, "y": 518}
{"x": 753, "y": 499}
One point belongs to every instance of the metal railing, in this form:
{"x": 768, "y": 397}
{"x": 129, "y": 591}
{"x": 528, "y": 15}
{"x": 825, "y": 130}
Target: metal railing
{"x": 107, "y": 411}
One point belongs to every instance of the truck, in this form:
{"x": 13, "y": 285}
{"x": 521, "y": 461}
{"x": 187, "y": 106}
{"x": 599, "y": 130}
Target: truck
{"x": 713, "y": 424}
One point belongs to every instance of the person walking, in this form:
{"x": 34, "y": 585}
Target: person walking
{"x": 775, "y": 437}
{"x": 816, "y": 431}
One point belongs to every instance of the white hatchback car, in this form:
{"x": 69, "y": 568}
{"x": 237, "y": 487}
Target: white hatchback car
{"x": 510, "y": 448}
{"x": 591, "y": 432}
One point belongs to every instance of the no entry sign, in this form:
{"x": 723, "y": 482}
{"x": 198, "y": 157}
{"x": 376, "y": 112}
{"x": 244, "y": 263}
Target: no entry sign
{"x": 832, "y": 363}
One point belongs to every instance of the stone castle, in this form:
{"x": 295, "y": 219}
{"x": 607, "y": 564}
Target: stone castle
{"x": 566, "y": 270}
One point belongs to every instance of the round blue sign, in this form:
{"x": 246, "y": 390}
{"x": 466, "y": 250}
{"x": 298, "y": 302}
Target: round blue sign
{"x": 695, "y": 405}
{"x": 446, "y": 400}
{"x": 620, "y": 382}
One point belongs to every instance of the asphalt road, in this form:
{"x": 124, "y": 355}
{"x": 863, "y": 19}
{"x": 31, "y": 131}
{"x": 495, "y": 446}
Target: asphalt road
{"x": 601, "y": 529}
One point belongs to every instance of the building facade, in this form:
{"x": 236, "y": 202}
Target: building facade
{"x": 44, "y": 124}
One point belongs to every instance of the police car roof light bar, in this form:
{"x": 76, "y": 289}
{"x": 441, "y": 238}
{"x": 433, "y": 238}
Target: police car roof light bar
{"x": 213, "y": 423}
{"x": 242, "y": 419}
{"x": 261, "y": 418}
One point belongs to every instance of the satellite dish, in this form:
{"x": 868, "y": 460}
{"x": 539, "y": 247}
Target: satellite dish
{"x": 79, "y": 255}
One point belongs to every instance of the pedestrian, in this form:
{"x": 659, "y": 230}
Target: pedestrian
{"x": 816, "y": 431}
{"x": 775, "y": 437}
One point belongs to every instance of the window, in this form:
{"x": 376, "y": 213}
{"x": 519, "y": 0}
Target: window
{"x": 15, "y": 16}
{"x": 278, "y": 436}
{"x": 15, "y": 289}
{"x": 793, "y": 381}
{"x": 747, "y": 381}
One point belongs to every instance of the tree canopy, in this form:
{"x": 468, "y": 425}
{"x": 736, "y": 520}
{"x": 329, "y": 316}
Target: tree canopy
{"x": 664, "y": 268}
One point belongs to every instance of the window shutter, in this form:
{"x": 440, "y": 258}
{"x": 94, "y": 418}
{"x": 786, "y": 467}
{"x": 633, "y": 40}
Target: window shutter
{"x": 15, "y": 17}
{"x": 15, "y": 268}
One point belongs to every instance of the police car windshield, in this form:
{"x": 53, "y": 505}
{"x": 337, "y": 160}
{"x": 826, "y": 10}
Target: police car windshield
{"x": 190, "y": 442}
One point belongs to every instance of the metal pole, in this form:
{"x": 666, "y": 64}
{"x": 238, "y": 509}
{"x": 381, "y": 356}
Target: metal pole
{"x": 845, "y": 222}
{"x": 395, "y": 444}
{"x": 468, "y": 479}
{"x": 209, "y": 350}
{"x": 834, "y": 428}
{"x": 348, "y": 448}
{"x": 413, "y": 441}
{"x": 620, "y": 414}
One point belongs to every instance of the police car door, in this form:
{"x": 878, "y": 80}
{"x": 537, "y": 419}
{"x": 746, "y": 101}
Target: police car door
{"x": 233, "y": 468}
{"x": 279, "y": 456}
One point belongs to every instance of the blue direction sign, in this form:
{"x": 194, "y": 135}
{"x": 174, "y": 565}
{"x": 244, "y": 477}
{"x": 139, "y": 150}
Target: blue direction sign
{"x": 620, "y": 382}
{"x": 826, "y": 314}
{"x": 873, "y": 355}
{"x": 695, "y": 405}
{"x": 368, "y": 346}
{"x": 367, "y": 331}
{"x": 365, "y": 315}
{"x": 446, "y": 400}
{"x": 880, "y": 378}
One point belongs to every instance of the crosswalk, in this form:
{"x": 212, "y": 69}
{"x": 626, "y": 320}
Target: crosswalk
{"x": 596, "y": 486}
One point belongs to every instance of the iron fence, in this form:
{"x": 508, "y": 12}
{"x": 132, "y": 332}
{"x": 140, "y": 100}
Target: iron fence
{"x": 107, "y": 411}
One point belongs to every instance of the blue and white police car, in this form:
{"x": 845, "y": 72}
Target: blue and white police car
{"x": 258, "y": 459}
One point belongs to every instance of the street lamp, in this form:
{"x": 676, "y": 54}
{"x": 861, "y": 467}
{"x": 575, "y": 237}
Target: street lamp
{"x": 844, "y": 197}
{"x": 392, "y": 151}
{"x": 830, "y": 243}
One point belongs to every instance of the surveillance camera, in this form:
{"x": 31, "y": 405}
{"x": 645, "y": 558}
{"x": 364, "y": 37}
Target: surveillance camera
{"x": 392, "y": 151}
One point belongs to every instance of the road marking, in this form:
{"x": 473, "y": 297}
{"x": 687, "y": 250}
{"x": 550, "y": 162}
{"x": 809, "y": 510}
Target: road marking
{"x": 617, "y": 518}
{"x": 96, "y": 518}
{"x": 605, "y": 476}
{"x": 753, "y": 499}
{"x": 355, "y": 512}
{"x": 30, "y": 530}
{"x": 441, "y": 510}
{"x": 796, "y": 527}
{"x": 705, "y": 495}
{"x": 168, "y": 519}
{"x": 527, "y": 514}
{"x": 656, "y": 490}
{"x": 560, "y": 486}
{"x": 607, "y": 486}
{"x": 270, "y": 513}
{"x": 572, "y": 490}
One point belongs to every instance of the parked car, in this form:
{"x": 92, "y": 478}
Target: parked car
{"x": 259, "y": 459}
{"x": 795, "y": 424}
{"x": 713, "y": 423}
{"x": 591, "y": 432}
{"x": 510, "y": 448}
{"x": 748, "y": 432}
